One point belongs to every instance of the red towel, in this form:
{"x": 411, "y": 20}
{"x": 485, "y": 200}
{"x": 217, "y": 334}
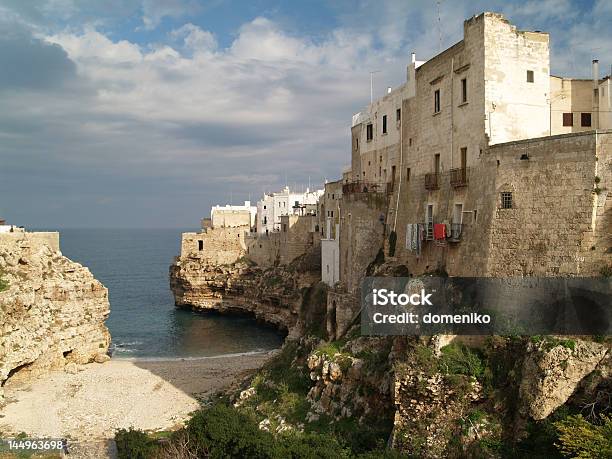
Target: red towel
{"x": 439, "y": 231}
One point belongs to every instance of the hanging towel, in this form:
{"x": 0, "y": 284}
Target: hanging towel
{"x": 448, "y": 229}
{"x": 439, "y": 231}
{"x": 409, "y": 236}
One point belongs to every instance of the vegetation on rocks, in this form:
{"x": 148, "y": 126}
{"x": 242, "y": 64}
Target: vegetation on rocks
{"x": 3, "y": 283}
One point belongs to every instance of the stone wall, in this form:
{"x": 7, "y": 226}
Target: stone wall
{"x": 215, "y": 246}
{"x": 361, "y": 234}
{"x": 50, "y": 238}
{"x": 230, "y": 218}
{"x": 558, "y": 224}
{"x": 297, "y": 236}
{"x": 52, "y": 313}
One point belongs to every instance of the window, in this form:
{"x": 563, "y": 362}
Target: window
{"x": 200, "y": 245}
{"x": 595, "y": 93}
{"x": 264, "y": 207}
{"x": 437, "y": 101}
{"x": 369, "y": 132}
{"x": 463, "y": 157}
{"x": 384, "y": 131}
{"x": 284, "y": 227}
{"x": 398, "y": 115}
{"x": 410, "y": 142}
{"x": 380, "y": 158}
{"x": 585, "y": 119}
{"x": 475, "y": 215}
{"x": 529, "y": 76}
{"x": 333, "y": 196}
{"x": 356, "y": 143}
{"x": 408, "y": 174}
{"x": 568, "y": 119}
{"x": 506, "y": 200}
{"x": 265, "y": 220}
{"x": 437, "y": 163}
{"x": 463, "y": 90}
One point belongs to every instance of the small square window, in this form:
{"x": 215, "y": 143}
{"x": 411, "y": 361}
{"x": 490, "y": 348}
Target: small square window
{"x": 506, "y": 200}
{"x": 568, "y": 119}
{"x": 529, "y": 76}
{"x": 585, "y": 119}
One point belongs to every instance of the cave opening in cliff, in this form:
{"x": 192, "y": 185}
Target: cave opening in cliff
{"x": 19, "y": 370}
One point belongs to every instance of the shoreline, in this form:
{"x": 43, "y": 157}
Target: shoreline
{"x": 91, "y": 404}
{"x": 266, "y": 352}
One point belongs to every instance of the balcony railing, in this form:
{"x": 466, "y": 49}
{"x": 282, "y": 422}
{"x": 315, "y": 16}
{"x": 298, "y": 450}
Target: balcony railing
{"x": 367, "y": 187}
{"x": 456, "y": 231}
{"x": 459, "y": 177}
{"x": 432, "y": 181}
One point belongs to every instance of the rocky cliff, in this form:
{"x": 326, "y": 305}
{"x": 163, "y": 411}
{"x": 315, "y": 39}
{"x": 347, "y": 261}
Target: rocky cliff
{"x": 52, "y": 311}
{"x": 272, "y": 295}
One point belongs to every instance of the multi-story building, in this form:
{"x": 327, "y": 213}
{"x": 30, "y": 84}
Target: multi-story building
{"x": 466, "y": 143}
{"x": 273, "y": 206}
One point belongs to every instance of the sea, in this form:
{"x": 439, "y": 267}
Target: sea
{"x": 144, "y": 322}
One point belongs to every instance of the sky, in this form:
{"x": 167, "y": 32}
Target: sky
{"x": 144, "y": 114}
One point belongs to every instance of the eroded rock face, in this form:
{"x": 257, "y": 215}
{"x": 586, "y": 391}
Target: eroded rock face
{"x": 51, "y": 314}
{"x": 272, "y": 295}
{"x": 552, "y": 371}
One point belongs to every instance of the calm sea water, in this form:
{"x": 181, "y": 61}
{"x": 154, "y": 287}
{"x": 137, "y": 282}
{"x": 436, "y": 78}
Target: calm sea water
{"x": 144, "y": 322}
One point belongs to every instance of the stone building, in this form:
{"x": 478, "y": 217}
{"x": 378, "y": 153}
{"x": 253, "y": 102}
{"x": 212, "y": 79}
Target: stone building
{"x": 222, "y": 239}
{"x": 329, "y": 227}
{"x": 472, "y": 150}
{"x": 233, "y": 216}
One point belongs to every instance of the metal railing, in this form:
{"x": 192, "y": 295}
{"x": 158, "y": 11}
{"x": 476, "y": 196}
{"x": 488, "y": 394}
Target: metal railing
{"x": 367, "y": 187}
{"x": 459, "y": 177}
{"x": 432, "y": 181}
{"x": 456, "y": 231}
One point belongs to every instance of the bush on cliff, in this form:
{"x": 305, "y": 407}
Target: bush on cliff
{"x": 3, "y": 283}
{"x": 580, "y": 438}
{"x": 134, "y": 444}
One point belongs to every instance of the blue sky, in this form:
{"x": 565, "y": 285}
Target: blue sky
{"x": 142, "y": 113}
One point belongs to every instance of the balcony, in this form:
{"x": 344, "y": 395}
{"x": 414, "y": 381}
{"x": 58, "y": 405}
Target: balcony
{"x": 367, "y": 187}
{"x": 459, "y": 177}
{"x": 456, "y": 232}
{"x": 432, "y": 181}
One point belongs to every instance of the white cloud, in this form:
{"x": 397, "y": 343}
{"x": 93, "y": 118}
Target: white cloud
{"x": 153, "y": 11}
{"x": 194, "y": 38}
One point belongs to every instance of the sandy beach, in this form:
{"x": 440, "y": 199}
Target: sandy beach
{"x": 100, "y": 398}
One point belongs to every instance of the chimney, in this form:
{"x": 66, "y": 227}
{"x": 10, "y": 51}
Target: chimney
{"x": 413, "y": 57}
{"x": 595, "y": 73}
{"x": 595, "y": 115}
{"x": 389, "y": 90}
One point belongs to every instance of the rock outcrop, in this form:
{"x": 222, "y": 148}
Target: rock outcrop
{"x": 52, "y": 312}
{"x": 553, "y": 369}
{"x": 272, "y": 295}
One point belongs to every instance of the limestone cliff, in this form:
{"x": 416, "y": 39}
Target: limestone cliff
{"x": 52, "y": 311}
{"x": 272, "y": 295}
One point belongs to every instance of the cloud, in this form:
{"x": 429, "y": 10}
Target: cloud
{"x": 103, "y": 126}
{"x": 153, "y": 11}
{"x": 28, "y": 62}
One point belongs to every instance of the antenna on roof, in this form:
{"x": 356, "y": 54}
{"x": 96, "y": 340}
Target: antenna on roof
{"x": 439, "y": 28}
{"x": 372, "y": 72}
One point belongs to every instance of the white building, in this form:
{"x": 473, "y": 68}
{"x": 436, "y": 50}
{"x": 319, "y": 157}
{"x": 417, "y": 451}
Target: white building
{"x": 273, "y": 206}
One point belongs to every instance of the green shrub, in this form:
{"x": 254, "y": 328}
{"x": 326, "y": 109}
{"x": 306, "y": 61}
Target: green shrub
{"x": 3, "y": 283}
{"x": 134, "y": 444}
{"x": 459, "y": 359}
{"x": 580, "y": 438}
